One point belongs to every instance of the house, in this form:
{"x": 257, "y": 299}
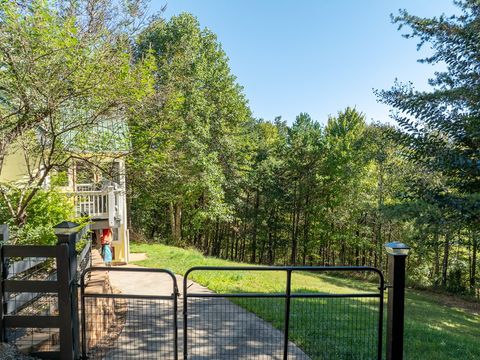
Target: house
{"x": 103, "y": 200}
{"x": 97, "y": 192}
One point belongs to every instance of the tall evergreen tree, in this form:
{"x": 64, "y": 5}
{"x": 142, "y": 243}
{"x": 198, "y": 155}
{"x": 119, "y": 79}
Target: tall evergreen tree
{"x": 439, "y": 129}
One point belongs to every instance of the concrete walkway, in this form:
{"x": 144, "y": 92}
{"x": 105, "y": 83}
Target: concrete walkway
{"x": 218, "y": 329}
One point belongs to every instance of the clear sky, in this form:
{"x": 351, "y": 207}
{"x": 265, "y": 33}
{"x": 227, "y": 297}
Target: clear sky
{"x": 314, "y": 56}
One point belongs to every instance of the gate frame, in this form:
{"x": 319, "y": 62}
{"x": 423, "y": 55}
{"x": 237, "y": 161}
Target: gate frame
{"x": 287, "y": 295}
{"x": 174, "y": 297}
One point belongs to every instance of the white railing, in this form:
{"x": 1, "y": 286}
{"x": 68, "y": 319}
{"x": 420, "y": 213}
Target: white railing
{"x": 94, "y": 204}
{"x": 99, "y": 204}
{"x": 86, "y": 187}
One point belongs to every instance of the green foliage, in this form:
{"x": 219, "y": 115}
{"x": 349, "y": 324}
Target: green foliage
{"x": 456, "y": 282}
{"x": 434, "y": 327}
{"x": 438, "y": 134}
{"x": 194, "y": 136}
{"x": 66, "y": 67}
{"x": 34, "y": 235}
{"x": 47, "y": 209}
{"x": 59, "y": 178}
{"x": 439, "y": 128}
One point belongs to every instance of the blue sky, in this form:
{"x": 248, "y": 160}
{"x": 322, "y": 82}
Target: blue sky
{"x": 314, "y": 56}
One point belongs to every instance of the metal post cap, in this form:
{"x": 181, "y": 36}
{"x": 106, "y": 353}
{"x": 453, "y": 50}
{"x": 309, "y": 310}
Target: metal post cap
{"x": 66, "y": 227}
{"x": 397, "y": 248}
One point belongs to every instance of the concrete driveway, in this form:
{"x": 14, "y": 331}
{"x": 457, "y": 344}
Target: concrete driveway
{"x": 217, "y": 328}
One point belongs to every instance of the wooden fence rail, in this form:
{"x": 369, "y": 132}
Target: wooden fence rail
{"x": 17, "y": 290}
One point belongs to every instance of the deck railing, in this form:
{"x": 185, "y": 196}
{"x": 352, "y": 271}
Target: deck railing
{"x": 98, "y": 204}
{"x": 94, "y": 204}
{"x": 86, "y": 187}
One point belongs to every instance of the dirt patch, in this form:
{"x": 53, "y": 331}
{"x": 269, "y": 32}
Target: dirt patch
{"x": 137, "y": 257}
{"x": 453, "y": 301}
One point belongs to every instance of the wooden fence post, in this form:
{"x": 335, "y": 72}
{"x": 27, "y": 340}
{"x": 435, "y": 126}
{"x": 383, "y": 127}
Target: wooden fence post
{"x": 67, "y": 235}
{"x": 3, "y": 275}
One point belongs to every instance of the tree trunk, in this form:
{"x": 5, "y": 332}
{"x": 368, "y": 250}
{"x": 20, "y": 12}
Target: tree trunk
{"x": 172, "y": 220}
{"x": 270, "y": 246}
{"x": 436, "y": 269}
{"x": 295, "y": 214}
{"x": 473, "y": 266}
{"x": 177, "y": 233}
{"x": 236, "y": 247}
{"x": 262, "y": 253}
{"x": 253, "y": 257}
{"x": 306, "y": 230}
{"x": 379, "y": 216}
{"x": 233, "y": 241}
{"x": 446, "y": 252}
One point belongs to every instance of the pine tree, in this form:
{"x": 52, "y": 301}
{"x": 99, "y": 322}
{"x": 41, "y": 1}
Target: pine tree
{"x": 440, "y": 129}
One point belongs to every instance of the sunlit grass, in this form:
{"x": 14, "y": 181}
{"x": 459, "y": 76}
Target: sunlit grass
{"x": 432, "y": 331}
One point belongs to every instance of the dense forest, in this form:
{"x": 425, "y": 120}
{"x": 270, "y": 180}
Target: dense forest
{"x": 203, "y": 172}
{"x": 312, "y": 191}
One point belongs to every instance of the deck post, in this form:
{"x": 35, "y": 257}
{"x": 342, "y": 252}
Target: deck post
{"x": 397, "y": 253}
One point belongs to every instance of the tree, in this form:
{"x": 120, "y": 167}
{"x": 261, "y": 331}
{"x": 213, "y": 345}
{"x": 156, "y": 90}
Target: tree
{"x": 196, "y": 134}
{"x": 343, "y": 175}
{"x": 439, "y": 129}
{"x": 303, "y": 156}
{"x": 65, "y": 67}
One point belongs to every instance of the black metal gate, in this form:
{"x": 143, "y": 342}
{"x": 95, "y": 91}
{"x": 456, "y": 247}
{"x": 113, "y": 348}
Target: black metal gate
{"x": 291, "y": 323}
{"x": 129, "y": 325}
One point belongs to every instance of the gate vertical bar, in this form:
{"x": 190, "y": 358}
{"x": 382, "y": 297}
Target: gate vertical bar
{"x": 396, "y": 299}
{"x": 83, "y": 316}
{"x": 287, "y": 313}
{"x": 185, "y": 303}
{"x": 175, "y": 320}
{"x": 380, "y": 319}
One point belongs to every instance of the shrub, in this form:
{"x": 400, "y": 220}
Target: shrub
{"x": 34, "y": 235}
{"x": 47, "y": 209}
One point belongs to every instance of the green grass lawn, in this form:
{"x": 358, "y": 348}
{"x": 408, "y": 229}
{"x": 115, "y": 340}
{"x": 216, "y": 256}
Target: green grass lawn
{"x": 329, "y": 328}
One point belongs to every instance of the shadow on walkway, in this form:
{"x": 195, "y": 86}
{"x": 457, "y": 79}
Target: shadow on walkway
{"x": 217, "y": 328}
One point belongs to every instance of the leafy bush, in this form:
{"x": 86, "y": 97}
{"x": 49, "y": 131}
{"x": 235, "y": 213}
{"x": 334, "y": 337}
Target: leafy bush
{"x": 456, "y": 280}
{"x": 34, "y": 235}
{"x": 47, "y": 209}
{"x": 59, "y": 178}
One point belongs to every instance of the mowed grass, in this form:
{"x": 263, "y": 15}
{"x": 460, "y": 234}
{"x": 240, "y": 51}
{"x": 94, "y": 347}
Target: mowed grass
{"x": 332, "y": 328}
